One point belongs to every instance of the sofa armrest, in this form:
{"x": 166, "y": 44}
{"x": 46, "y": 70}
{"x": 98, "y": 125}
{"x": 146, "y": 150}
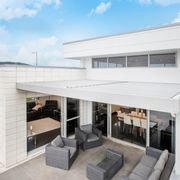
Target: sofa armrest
{"x": 81, "y": 135}
{"x": 97, "y": 132}
{"x": 95, "y": 172}
{"x": 70, "y": 142}
{"x": 150, "y": 151}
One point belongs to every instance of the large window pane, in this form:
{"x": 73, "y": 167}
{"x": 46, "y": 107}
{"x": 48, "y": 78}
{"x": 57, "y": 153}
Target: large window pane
{"x": 72, "y": 108}
{"x": 137, "y": 61}
{"x": 116, "y": 62}
{"x": 99, "y": 62}
{"x": 100, "y": 117}
{"x": 129, "y": 124}
{"x": 162, "y": 131}
{"x": 163, "y": 60}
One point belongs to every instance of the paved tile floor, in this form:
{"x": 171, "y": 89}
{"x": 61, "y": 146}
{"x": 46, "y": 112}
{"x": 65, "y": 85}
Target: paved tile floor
{"x": 36, "y": 169}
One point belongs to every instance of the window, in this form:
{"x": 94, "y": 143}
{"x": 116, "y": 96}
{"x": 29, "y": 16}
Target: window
{"x": 137, "y": 61}
{"x": 99, "y": 62}
{"x": 116, "y": 62}
{"x": 163, "y": 60}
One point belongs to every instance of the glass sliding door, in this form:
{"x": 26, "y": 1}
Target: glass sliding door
{"x": 162, "y": 131}
{"x": 129, "y": 124}
{"x": 72, "y": 115}
{"x": 100, "y": 117}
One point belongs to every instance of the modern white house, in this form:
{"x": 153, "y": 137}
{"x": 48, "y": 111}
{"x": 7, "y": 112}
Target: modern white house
{"x": 135, "y": 74}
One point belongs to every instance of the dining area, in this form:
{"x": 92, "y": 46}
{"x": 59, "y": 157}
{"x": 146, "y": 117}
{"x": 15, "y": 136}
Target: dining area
{"x": 130, "y": 124}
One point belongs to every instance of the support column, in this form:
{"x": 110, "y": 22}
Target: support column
{"x": 148, "y": 129}
{"x": 63, "y": 116}
{"x": 109, "y": 120}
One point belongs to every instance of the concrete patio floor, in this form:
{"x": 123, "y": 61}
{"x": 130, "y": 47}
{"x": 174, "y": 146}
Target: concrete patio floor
{"x": 36, "y": 169}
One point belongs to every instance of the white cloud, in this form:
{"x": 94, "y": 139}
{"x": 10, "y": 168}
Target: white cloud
{"x": 48, "y": 49}
{"x": 177, "y": 19}
{"x": 160, "y": 2}
{"x": 10, "y": 9}
{"x": 100, "y": 9}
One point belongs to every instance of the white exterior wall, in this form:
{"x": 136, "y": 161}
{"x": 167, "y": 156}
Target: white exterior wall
{"x": 177, "y": 151}
{"x": 13, "y": 108}
{"x": 142, "y": 74}
{"x": 157, "y": 39}
{"x": 2, "y": 123}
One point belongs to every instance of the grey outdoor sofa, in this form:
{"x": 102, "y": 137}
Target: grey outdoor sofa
{"x": 107, "y": 168}
{"x": 154, "y": 165}
{"x": 61, "y": 157}
{"x": 88, "y": 136}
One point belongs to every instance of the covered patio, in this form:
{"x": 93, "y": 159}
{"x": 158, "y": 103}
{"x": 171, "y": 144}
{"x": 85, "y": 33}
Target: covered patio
{"x": 36, "y": 168}
{"x": 160, "y": 97}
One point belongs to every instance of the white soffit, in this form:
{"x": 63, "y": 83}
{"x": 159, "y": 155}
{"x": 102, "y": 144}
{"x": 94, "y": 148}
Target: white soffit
{"x": 152, "y": 96}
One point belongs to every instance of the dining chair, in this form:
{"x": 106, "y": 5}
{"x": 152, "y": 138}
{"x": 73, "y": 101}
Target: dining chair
{"x": 136, "y": 124}
{"x": 144, "y": 127}
{"x": 128, "y": 123}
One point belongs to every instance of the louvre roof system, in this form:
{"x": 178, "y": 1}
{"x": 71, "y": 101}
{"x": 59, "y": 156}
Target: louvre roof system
{"x": 151, "y": 96}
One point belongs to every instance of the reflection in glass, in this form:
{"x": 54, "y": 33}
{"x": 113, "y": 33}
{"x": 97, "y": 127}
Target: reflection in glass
{"x": 100, "y": 117}
{"x": 129, "y": 124}
{"x": 162, "y": 136}
{"x": 72, "y": 108}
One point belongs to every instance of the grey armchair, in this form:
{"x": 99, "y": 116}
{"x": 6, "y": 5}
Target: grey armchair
{"x": 62, "y": 157}
{"x": 88, "y": 136}
{"x": 107, "y": 168}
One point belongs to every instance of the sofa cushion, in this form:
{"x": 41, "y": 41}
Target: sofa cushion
{"x": 87, "y": 128}
{"x": 155, "y": 175}
{"x": 134, "y": 176}
{"x": 92, "y": 138}
{"x": 148, "y": 161}
{"x": 71, "y": 150}
{"x": 142, "y": 170}
{"x": 58, "y": 142}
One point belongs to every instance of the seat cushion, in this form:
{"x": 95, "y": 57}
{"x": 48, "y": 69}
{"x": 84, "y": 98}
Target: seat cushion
{"x": 92, "y": 137}
{"x": 155, "y": 175}
{"x": 142, "y": 170}
{"x": 134, "y": 176}
{"x": 148, "y": 161}
{"x": 106, "y": 163}
{"x": 87, "y": 128}
{"x": 58, "y": 142}
{"x": 71, "y": 149}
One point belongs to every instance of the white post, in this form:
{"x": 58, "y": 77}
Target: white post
{"x": 148, "y": 129}
{"x": 63, "y": 116}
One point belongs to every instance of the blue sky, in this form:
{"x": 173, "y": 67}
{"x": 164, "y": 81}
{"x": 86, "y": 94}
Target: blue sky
{"x": 42, "y": 25}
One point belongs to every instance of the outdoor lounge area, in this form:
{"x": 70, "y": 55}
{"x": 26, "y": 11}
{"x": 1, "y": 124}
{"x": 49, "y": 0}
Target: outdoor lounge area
{"x": 37, "y": 169}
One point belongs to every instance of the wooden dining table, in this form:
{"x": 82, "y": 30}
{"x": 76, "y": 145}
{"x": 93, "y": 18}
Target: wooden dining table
{"x": 151, "y": 124}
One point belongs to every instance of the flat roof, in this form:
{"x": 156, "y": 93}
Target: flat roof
{"x": 153, "y": 96}
{"x": 124, "y": 33}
